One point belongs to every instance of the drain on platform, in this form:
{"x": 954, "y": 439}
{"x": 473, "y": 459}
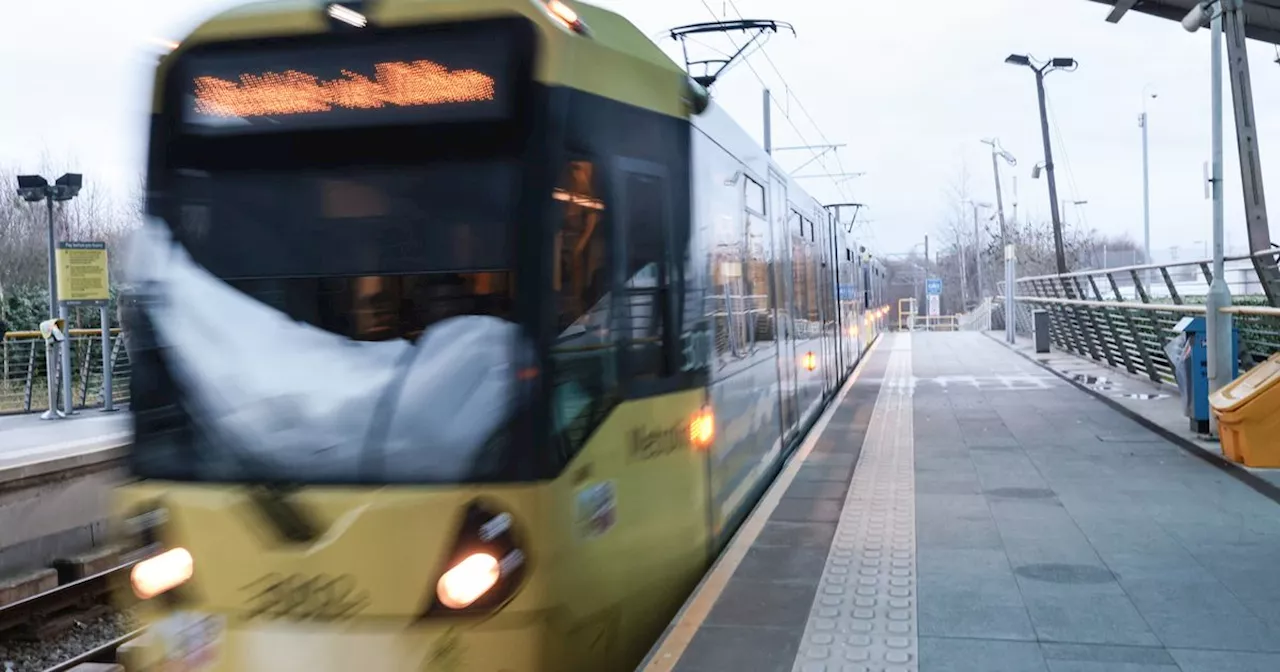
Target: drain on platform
{"x": 1022, "y": 493}
{"x": 1066, "y": 574}
{"x": 1099, "y": 382}
{"x": 1144, "y": 396}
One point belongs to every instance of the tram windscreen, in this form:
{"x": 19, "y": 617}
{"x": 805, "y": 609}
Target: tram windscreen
{"x": 451, "y": 216}
{"x": 458, "y": 76}
{"x": 303, "y": 308}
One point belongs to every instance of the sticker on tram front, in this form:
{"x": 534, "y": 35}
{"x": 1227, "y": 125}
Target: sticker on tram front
{"x": 596, "y": 509}
{"x": 189, "y": 641}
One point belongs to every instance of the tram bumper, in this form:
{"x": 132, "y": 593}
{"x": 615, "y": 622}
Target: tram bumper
{"x": 190, "y": 642}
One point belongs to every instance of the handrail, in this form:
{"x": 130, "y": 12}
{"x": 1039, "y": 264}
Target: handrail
{"x": 19, "y": 335}
{"x": 24, "y": 370}
{"x": 1197, "y": 308}
{"x": 1144, "y": 267}
{"x": 1158, "y": 307}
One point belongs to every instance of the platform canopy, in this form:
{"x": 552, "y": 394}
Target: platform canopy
{"x": 1262, "y": 17}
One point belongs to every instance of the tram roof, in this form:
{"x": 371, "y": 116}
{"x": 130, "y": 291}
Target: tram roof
{"x": 617, "y": 61}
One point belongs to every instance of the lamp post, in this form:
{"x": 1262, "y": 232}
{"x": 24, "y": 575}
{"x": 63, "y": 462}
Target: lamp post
{"x": 1219, "y": 333}
{"x": 998, "y": 153}
{"x": 977, "y": 244}
{"x": 1146, "y": 180}
{"x": 33, "y": 189}
{"x": 1041, "y": 70}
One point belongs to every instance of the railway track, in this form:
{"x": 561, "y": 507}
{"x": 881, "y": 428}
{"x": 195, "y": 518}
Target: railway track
{"x": 105, "y": 653}
{"x": 46, "y": 621}
{"x": 45, "y": 614}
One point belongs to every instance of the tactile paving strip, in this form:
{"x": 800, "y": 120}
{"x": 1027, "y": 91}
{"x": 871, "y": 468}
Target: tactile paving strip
{"x": 864, "y": 612}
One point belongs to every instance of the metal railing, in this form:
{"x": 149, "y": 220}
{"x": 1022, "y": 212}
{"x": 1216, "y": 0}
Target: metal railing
{"x": 1125, "y": 316}
{"x": 24, "y": 376}
{"x": 978, "y": 319}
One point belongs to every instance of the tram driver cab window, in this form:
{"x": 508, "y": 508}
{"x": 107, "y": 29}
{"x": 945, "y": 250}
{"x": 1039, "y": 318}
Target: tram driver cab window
{"x": 583, "y": 354}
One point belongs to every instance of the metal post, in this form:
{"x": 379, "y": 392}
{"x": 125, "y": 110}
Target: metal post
{"x": 68, "y": 369}
{"x": 1015, "y": 196}
{"x": 964, "y": 275}
{"x": 108, "y": 403}
{"x": 1255, "y": 201}
{"x": 977, "y": 251}
{"x": 1146, "y": 191}
{"x": 1053, "y": 184}
{"x": 50, "y": 352}
{"x": 1217, "y": 323}
{"x": 768, "y": 126}
{"x": 53, "y": 261}
{"x": 1010, "y": 312}
{"x": 1005, "y": 242}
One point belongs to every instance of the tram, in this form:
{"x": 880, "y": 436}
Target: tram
{"x": 463, "y": 334}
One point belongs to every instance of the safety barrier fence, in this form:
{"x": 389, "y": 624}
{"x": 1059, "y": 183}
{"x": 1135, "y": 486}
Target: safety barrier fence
{"x": 24, "y": 375}
{"x": 1125, "y": 316}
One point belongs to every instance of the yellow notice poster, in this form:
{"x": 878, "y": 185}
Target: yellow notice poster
{"x": 82, "y": 273}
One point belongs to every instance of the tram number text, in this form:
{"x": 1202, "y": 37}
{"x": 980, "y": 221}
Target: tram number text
{"x": 295, "y": 597}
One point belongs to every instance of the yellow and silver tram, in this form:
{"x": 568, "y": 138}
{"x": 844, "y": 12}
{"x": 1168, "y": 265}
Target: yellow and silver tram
{"x": 464, "y": 333}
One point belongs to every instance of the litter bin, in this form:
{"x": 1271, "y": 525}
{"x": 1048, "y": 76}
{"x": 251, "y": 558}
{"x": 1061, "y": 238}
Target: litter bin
{"x": 1178, "y": 351}
{"x": 1248, "y": 412}
{"x": 1040, "y": 329}
{"x": 1188, "y": 353}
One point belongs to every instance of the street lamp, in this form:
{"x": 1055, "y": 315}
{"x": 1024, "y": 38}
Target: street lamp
{"x": 1068, "y": 64}
{"x": 33, "y": 189}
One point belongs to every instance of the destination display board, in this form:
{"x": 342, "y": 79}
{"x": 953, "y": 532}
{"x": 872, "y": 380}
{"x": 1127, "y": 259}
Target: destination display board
{"x": 83, "y": 275}
{"x": 440, "y": 77}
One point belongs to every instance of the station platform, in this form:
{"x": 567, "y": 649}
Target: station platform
{"x": 962, "y": 507}
{"x": 29, "y": 444}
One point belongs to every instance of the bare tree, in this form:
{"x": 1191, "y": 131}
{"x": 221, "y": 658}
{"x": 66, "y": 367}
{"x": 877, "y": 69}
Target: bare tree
{"x": 1033, "y": 244}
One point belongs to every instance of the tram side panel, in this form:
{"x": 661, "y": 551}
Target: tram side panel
{"x": 729, "y": 207}
{"x": 624, "y": 577}
{"x": 848, "y": 296}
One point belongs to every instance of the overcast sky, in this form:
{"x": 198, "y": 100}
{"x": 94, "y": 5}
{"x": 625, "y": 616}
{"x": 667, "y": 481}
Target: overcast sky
{"x": 909, "y": 87}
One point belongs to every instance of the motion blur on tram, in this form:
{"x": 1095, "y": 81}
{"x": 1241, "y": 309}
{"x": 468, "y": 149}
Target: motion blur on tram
{"x": 464, "y": 334}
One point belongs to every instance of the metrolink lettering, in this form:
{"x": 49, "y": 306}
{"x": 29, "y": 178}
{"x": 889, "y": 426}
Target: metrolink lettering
{"x": 651, "y": 444}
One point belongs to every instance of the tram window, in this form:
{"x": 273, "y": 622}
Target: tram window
{"x": 583, "y": 356}
{"x": 646, "y": 280}
{"x": 755, "y": 197}
{"x": 580, "y": 272}
{"x": 384, "y": 307}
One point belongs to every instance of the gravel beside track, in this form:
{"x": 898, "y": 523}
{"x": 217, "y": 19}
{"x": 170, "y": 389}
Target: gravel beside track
{"x": 20, "y": 656}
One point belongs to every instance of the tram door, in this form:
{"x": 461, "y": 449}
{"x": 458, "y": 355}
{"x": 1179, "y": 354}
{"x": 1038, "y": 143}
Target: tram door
{"x": 827, "y": 306}
{"x": 783, "y": 321}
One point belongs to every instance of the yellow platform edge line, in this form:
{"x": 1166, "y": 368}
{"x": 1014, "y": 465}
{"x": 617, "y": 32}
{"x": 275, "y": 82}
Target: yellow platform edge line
{"x": 695, "y": 610}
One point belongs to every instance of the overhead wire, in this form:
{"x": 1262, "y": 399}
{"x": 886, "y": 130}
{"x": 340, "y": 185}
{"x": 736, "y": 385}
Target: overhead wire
{"x": 818, "y": 156}
{"x": 1066, "y": 159}
{"x": 799, "y": 103}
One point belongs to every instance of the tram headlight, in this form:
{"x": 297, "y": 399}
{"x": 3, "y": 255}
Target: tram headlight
{"x": 468, "y": 580}
{"x": 485, "y": 567}
{"x": 161, "y": 573}
{"x": 810, "y": 361}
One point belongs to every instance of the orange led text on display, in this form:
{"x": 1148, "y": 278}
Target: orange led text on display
{"x": 397, "y": 83}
